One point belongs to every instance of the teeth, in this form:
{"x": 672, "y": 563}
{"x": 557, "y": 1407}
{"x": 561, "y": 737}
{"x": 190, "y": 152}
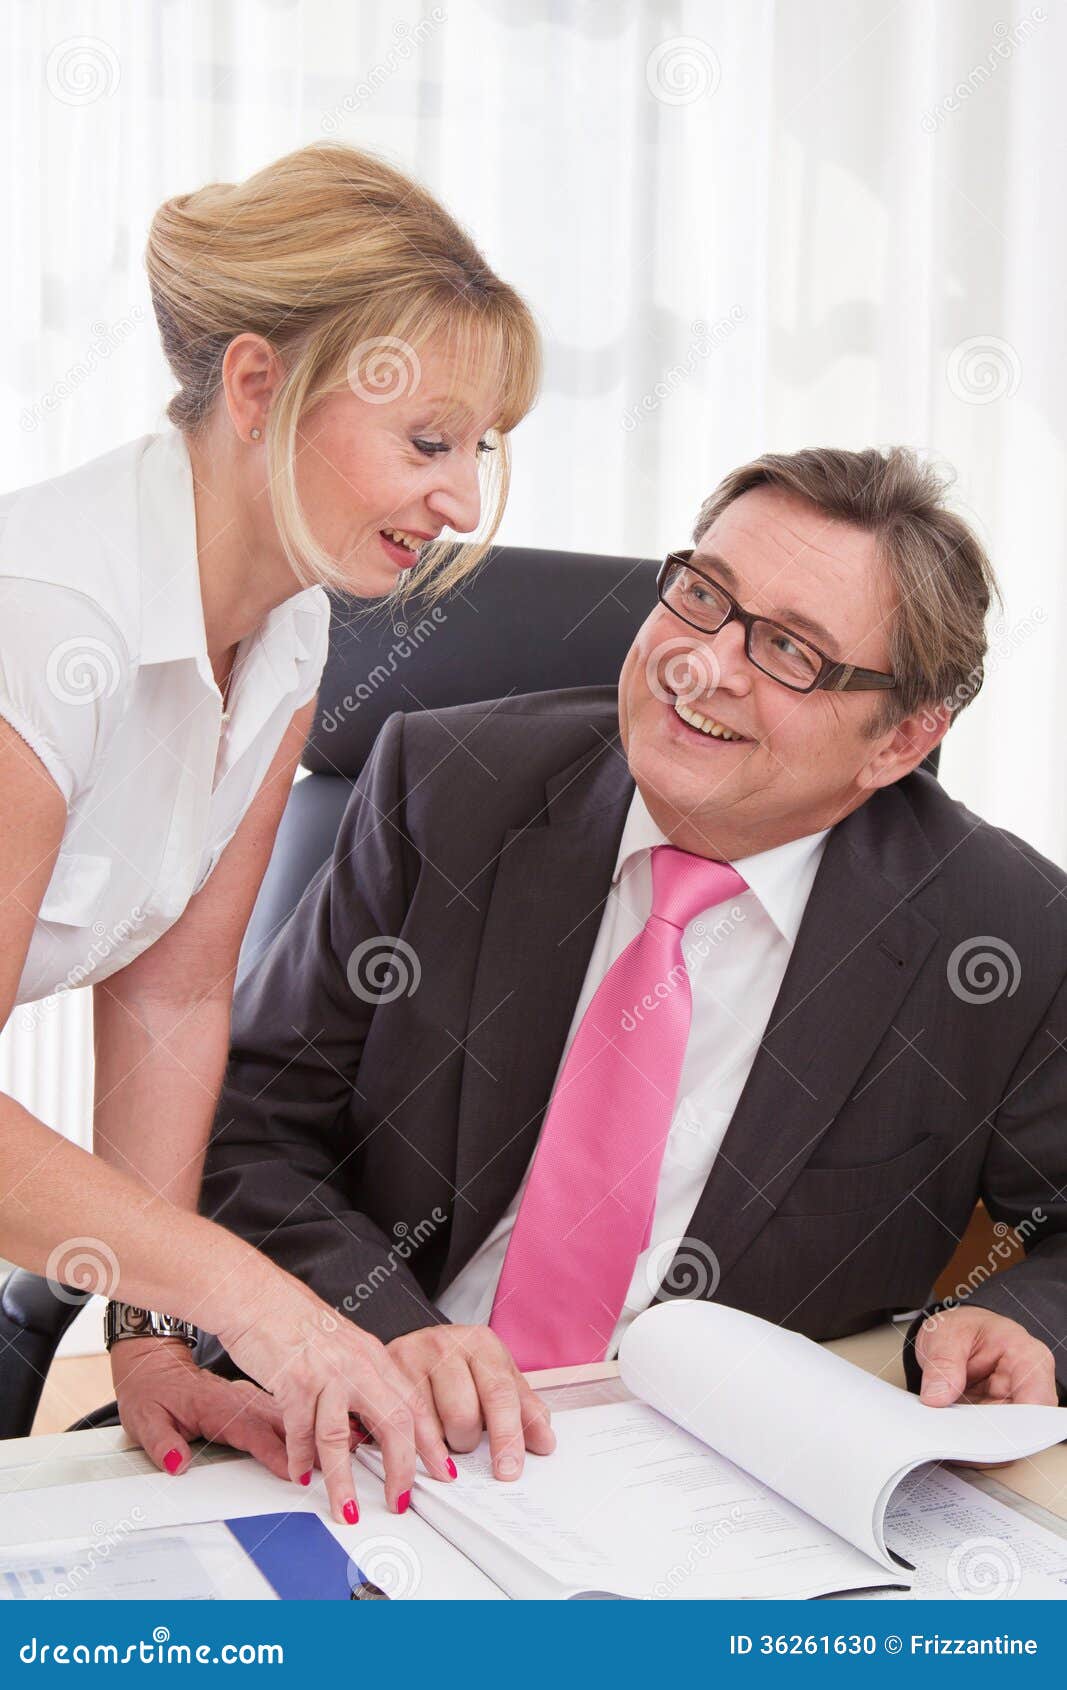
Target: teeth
{"x": 403, "y": 539}
{"x": 706, "y": 724}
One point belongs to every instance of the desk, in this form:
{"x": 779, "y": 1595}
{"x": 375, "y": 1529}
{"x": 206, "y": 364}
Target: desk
{"x": 1037, "y": 1486}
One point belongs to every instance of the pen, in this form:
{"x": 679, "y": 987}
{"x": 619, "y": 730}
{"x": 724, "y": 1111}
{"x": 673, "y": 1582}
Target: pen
{"x": 363, "y": 1589}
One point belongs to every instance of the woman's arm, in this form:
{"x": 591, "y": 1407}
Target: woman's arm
{"x": 158, "y": 1255}
{"x": 161, "y": 1030}
{"x": 162, "y": 1025}
{"x": 52, "y": 1192}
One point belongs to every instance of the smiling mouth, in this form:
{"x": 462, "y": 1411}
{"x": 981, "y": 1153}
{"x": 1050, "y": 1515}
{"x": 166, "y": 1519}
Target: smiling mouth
{"x": 401, "y": 537}
{"x": 707, "y": 725}
{"x": 403, "y": 554}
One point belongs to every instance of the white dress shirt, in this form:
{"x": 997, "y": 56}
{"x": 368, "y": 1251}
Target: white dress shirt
{"x": 105, "y": 674}
{"x": 736, "y": 957}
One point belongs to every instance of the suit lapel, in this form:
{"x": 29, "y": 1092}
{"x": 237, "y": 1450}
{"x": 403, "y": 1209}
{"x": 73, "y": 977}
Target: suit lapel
{"x": 860, "y": 946}
{"x": 548, "y": 892}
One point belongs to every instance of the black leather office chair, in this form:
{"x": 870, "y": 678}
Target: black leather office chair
{"x": 529, "y": 621}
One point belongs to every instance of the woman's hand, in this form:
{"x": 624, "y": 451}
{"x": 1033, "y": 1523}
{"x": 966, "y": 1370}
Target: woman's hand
{"x": 165, "y": 1400}
{"x": 475, "y": 1383}
{"x": 319, "y": 1369}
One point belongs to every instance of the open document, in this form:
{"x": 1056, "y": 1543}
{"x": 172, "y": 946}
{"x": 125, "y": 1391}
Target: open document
{"x": 752, "y": 1463}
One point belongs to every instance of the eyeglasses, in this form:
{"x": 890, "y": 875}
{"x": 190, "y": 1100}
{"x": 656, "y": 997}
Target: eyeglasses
{"x": 777, "y": 651}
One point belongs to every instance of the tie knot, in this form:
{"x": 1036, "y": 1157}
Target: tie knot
{"x": 683, "y": 885}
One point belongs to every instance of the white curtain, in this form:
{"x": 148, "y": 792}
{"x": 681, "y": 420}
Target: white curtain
{"x": 742, "y": 226}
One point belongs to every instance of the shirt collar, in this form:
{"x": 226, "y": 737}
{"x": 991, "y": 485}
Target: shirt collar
{"x": 172, "y": 610}
{"x": 781, "y": 878}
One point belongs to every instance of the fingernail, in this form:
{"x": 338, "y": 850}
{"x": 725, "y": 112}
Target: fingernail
{"x": 939, "y": 1389}
{"x": 172, "y": 1461}
{"x": 305, "y": 1478}
{"x": 351, "y": 1512}
{"x": 402, "y": 1502}
{"x": 450, "y": 1467}
{"x": 507, "y": 1466}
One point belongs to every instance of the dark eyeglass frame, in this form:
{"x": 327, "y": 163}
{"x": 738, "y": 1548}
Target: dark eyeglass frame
{"x": 833, "y": 676}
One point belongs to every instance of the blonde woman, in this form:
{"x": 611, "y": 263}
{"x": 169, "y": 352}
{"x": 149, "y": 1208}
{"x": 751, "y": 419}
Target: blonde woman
{"x": 348, "y": 370}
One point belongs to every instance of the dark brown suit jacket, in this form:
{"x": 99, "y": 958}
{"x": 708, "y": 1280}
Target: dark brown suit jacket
{"x": 369, "y": 1147}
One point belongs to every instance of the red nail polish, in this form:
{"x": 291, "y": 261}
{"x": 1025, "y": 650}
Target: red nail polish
{"x": 305, "y": 1478}
{"x": 450, "y": 1464}
{"x": 351, "y": 1513}
{"x": 402, "y": 1502}
{"x": 172, "y": 1461}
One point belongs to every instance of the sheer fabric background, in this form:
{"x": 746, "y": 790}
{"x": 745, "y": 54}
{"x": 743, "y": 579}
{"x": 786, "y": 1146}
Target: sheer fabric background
{"x": 742, "y": 226}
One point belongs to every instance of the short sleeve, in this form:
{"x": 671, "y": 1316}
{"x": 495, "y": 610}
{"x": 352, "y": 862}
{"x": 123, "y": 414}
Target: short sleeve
{"x": 64, "y": 674}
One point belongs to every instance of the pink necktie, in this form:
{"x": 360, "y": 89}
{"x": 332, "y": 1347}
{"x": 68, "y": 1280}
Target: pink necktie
{"x": 586, "y": 1214}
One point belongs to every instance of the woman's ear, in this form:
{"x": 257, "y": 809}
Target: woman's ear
{"x": 251, "y": 374}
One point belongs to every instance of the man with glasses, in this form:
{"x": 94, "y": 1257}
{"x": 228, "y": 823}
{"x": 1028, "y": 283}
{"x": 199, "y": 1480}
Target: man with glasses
{"x": 691, "y": 987}
{"x": 699, "y": 599}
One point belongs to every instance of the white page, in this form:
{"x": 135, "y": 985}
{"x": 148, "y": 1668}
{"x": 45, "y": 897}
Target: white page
{"x": 968, "y": 1546}
{"x": 402, "y": 1552}
{"x": 815, "y": 1429}
{"x": 201, "y": 1563}
{"x": 629, "y": 1504}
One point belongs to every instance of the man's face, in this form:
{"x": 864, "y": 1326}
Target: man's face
{"x": 804, "y": 762}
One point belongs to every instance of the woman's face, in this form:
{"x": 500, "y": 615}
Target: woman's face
{"x": 395, "y": 453}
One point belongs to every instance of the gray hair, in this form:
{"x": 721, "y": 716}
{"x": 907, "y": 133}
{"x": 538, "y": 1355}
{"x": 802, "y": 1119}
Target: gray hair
{"x": 942, "y": 579}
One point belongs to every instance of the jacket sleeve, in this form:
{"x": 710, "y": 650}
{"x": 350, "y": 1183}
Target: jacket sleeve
{"x": 1024, "y": 1188}
{"x": 283, "y": 1164}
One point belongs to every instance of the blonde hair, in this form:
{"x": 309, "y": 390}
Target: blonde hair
{"x": 331, "y": 254}
{"x": 940, "y": 576}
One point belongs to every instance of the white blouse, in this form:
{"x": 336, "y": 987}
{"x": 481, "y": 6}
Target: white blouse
{"x": 104, "y": 672}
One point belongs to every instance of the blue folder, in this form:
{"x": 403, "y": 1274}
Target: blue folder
{"x": 299, "y": 1557}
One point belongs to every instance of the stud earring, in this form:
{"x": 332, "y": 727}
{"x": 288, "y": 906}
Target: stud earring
{"x": 255, "y": 434}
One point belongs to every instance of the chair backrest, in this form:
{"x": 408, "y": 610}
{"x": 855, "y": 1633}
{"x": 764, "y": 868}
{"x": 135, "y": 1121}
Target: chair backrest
{"x": 528, "y": 621}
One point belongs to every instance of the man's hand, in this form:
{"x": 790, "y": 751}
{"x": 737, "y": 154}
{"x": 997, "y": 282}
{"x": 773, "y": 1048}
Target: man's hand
{"x": 973, "y": 1355}
{"x": 473, "y": 1383}
{"x": 164, "y": 1400}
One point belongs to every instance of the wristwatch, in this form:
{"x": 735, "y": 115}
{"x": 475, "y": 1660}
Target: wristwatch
{"x": 123, "y": 1320}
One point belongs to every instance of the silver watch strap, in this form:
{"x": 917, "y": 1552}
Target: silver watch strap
{"x": 125, "y": 1320}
